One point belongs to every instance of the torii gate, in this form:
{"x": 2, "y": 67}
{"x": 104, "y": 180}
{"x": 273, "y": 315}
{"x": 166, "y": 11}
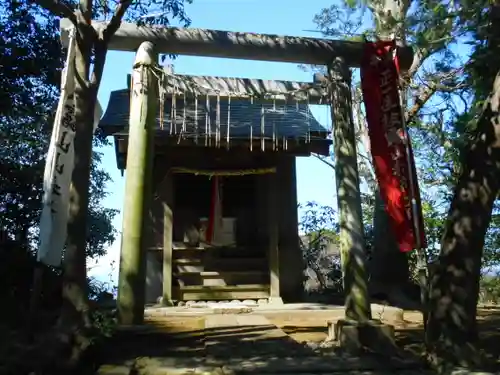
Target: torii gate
{"x": 337, "y": 55}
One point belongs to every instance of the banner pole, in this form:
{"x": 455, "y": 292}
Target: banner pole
{"x": 422, "y": 262}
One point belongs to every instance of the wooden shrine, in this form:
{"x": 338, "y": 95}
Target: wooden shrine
{"x": 248, "y": 143}
{"x": 159, "y": 149}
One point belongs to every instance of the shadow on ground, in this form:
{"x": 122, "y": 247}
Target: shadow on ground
{"x": 412, "y": 339}
{"x": 240, "y": 349}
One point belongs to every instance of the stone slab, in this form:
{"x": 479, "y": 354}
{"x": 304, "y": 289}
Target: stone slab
{"x": 354, "y": 372}
{"x": 234, "y": 320}
{"x": 355, "y": 336}
{"x": 246, "y": 336}
{"x": 378, "y": 311}
{"x": 275, "y": 301}
{"x": 160, "y": 366}
{"x": 313, "y": 365}
{"x": 462, "y": 371}
{"x": 113, "y": 370}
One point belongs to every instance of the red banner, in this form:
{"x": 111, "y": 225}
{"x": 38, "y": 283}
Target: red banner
{"x": 390, "y": 144}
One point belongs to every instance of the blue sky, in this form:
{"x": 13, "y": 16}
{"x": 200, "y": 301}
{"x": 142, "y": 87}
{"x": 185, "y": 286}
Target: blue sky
{"x": 315, "y": 180}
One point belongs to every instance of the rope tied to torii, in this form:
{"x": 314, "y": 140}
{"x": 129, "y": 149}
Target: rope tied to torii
{"x": 224, "y": 173}
{"x": 214, "y": 126}
{"x": 270, "y": 138}
{"x": 212, "y": 173}
{"x": 319, "y": 82}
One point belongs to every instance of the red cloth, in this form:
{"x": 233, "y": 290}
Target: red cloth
{"x": 215, "y": 216}
{"x": 393, "y": 165}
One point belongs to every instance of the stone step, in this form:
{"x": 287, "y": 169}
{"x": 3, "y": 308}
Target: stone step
{"x": 267, "y": 366}
{"x": 176, "y": 366}
{"x": 235, "y": 344}
{"x": 246, "y": 335}
{"x": 313, "y": 365}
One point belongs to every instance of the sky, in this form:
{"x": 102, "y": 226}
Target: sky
{"x": 315, "y": 180}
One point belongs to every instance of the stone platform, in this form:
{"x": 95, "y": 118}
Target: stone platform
{"x": 252, "y": 307}
{"x": 239, "y": 339}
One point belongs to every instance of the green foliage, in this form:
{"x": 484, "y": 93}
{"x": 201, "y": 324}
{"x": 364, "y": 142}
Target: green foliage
{"x": 31, "y": 62}
{"x": 31, "y": 59}
{"x": 162, "y": 12}
{"x": 318, "y": 228}
{"x": 490, "y": 289}
{"x": 103, "y": 305}
{"x": 445, "y": 89}
{"x": 319, "y": 241}
{"x": 319, "y": 238}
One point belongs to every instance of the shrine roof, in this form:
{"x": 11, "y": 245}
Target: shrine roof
{"x": 200, "y": 117}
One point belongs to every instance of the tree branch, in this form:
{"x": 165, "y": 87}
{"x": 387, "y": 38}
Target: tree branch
{"x": 324, "y": 160}
{"x": 86, "y": 10}
{"x": 419, "y": 57}
{"x": 102, "y": 44}
{"x": 58, "y": 8}
{"x": 436, "y": 82}
{"x": 419, "y": 103}
{"x": 116, "y": 20}
{"x": 99, "y": 61}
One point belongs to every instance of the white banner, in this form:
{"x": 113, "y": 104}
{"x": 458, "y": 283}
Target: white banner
{"x": 59, "y": 167}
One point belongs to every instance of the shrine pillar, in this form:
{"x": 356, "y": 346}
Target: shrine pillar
{"x": 138, "y": 187}
{"x": 290, "y": 253}
{"x": 357, "y": 330}
{"x": 352, "y": 239}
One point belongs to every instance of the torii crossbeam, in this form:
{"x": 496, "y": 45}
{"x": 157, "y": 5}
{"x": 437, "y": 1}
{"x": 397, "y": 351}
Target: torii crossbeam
{"x": 237, "y": 45}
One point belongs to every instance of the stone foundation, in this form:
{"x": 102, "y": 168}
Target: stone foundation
{"x": 356, "y": 336}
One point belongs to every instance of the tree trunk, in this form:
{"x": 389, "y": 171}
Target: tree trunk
{"x": 74, "y": 318}
{"x": 319, "y": 275}
{"x": 454, "y": 286}
{"x": 386, "y": 252}
{"x": 389, "y": 268}
{"x": 455, "y": 281}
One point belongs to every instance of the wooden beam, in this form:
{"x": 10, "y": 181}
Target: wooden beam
{"x": 234, "y": 87}
{"x": 236, "y": 148}
{"x": 168, "y": 225}
{"x": 273, "y": 232}
{"x": 199, "y": 293}
{"x": 237, "y": 45}
{"x": 290, "y": 253}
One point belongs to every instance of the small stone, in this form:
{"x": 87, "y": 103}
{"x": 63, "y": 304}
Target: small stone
{"x": 200, "y": 304}
{"x": 328, "y": 344}
{"x": 262, "y": 301}
{"x": 190, "y": 303}
{"x": 235, "y": 301}
{"x": 153, "y": 312}
{"x": 311, "y": 345}
{"x": 249, "y": 302}
{"x": 181, "y": 304}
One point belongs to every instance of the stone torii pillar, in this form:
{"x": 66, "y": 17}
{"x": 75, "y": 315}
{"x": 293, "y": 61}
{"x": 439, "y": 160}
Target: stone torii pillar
{"x": 352, "y": 241}
{"x": 138, "y": 186}
{"x": 358, "y": 329}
